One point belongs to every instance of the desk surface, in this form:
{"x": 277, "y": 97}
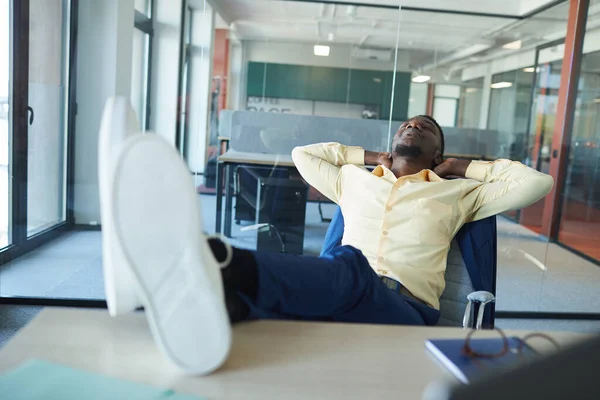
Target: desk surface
{"x": 269, "y": 359}
{"x": 232, "y": 156}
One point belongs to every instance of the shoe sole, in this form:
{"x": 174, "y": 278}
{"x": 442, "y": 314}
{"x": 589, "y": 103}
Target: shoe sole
{"x": 158, "y": 222}
{"x": 118, "y": 124}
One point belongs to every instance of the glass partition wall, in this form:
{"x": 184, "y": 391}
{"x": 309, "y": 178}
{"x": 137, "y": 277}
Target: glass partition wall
{"x": 322, "y": 69}
{"x": 324, "y": 75}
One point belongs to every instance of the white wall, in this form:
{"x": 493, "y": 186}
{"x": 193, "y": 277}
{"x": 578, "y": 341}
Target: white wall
{"x": 203, "y": 21}
{"x": 417, "y": 102}
{"x": 104, "y": 46}
{"x": 303, "y": 54}
{"x": 165, "y": 68}
{"x": 236, "y": 80}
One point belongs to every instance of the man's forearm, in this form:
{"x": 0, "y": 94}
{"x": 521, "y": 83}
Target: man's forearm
{"x": 508, "y": 185}
{"x": 372, "y": 157}
{"x": 459, "y": 167}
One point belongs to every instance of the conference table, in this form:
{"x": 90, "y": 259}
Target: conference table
{"x": 268, "y": 360}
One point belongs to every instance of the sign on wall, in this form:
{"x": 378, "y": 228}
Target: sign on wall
{"x": 289, "y": 106}
{"x": 308, "y": 107}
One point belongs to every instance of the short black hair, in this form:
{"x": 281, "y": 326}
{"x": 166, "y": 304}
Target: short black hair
{"x": 430, "y": 118}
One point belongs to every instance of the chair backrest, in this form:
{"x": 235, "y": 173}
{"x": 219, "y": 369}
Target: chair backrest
{"x": 460, "y": 279}
{"x": 458, "y": 286}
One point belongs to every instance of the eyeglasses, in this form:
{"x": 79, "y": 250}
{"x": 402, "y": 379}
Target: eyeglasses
{"x": 521, "y": 344}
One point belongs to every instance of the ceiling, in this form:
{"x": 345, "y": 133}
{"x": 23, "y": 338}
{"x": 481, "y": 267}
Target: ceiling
{"x": 510, "y": 7}
{"x": 428, "y": 37}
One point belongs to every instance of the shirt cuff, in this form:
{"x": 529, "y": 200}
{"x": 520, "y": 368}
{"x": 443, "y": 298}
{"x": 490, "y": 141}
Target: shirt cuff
{"x": 477, "y": 170}
{"x": 355, "y": 155}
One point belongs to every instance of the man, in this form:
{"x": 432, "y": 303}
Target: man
{"x": 399, "y": 223}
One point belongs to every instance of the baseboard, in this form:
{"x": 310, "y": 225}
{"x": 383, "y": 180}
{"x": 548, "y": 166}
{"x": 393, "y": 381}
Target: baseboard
{"x": 51, "y": 302}
{"x": 547, "y": 315}
{"x": 86, "y": 227}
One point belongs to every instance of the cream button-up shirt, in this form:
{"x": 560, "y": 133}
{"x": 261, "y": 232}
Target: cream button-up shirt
{"x": 404, "y": 226}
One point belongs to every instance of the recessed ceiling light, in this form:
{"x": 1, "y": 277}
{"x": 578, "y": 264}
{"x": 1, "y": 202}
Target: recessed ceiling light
{"x": 501, "y": 85}
{"x": 529, "y": 69}
{"x": 421, "y": 78}
{"x": 516, "y": 45}
{"x": 331, "y": 37}
{"x": 322, "y": 51}
{"x": 471, "y": 90}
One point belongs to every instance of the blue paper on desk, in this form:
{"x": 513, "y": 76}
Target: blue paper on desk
{"x": 36, "y": 380}
{"x": 449, "y": 353}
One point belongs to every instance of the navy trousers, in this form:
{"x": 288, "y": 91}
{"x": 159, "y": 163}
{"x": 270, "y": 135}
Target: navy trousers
{"x": 337, "y": 286}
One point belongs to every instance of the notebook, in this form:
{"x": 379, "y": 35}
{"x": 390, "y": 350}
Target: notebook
{"x": 449, "y": 352}
{"x": 37, "y": 380}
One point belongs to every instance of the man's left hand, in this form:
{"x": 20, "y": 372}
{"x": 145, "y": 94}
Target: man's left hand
{"x": 452, "y": 167}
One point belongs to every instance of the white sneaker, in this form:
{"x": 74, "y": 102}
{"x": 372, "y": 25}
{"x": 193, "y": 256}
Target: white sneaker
{"x": 118, "y": 124}
{"x": 157, "y": 219}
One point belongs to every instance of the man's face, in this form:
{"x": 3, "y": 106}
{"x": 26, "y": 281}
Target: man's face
{"x": 418, "y": 137}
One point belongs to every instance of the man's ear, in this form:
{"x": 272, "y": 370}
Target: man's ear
{"x": 438, "y": 159}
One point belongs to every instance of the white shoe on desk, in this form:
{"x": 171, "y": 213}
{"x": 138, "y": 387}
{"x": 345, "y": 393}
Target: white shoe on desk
{"x": 155, "y": 213}
{"x": 118, "y": 124}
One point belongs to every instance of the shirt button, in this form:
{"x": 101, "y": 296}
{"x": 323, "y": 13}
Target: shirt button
{"x": 385, "y": 233}
{"x": 380, "y": 258}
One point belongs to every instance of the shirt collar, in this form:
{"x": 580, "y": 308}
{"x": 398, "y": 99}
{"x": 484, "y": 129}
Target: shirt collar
{"x": 425, "y": 175}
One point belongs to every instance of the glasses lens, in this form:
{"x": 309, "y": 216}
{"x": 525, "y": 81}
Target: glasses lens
{"x": 484, "y": 347}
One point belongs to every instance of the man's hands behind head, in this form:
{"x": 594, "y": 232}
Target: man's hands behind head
{"x": 385, "y": 159}
{"x": 378, "y": 158}
{"x": 452, "y": 167}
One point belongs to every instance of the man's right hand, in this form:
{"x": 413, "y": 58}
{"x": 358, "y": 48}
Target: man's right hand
{"x": 378, "y": 158}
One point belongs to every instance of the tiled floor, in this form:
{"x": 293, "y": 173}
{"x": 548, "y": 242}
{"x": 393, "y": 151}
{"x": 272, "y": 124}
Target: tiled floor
{"x": 533, "y": 275}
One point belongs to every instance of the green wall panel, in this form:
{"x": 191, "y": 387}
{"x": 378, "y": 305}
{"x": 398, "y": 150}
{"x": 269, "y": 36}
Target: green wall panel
{"x": 288, "y": 81}
{"x": 328, "y": 84}
{"x": 401, "y": 96}
{"x": 367, "y": 87}
{"x": 255, "y": 81}
{"x": 331, "y": 84}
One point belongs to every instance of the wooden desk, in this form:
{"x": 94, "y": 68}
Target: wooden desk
{"x": 225, "y": 168}
{"x": 240, "y": 157}
{"x": 269, "y": 359}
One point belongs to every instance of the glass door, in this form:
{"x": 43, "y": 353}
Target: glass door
{"x": 580, "y": 209}
{"x": 5, "y": 122}
{"x": 35, "y": 43}
{"x": 47, "y": 131}
{"x": 546, "y": 78}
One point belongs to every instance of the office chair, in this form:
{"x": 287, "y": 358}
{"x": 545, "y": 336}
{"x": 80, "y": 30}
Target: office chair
{"x": 275, "y": 203}
{"x": 470, "y": 272}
